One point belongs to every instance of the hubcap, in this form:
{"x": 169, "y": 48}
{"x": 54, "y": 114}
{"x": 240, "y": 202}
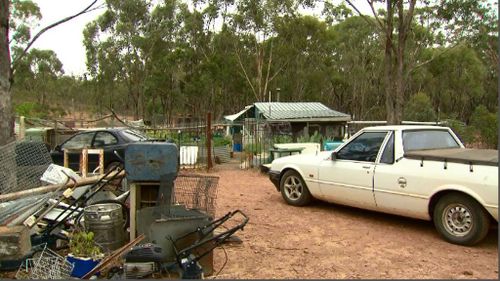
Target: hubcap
{"x": 293, "y": 188}
{"x": 457, "y": 220}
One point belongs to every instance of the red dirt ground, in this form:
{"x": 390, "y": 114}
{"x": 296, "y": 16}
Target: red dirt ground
{"x": 328, "y": 241}
{"x": 331, "y": 241}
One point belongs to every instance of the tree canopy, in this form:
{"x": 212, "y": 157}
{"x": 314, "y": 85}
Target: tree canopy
{"x": 158, "y": 60}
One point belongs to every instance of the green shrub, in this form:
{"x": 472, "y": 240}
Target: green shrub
{"x": 460, "y": 129}
{"x": 221, "y": 141}
{"x": 316, "y": 137}
{"x": 485, "y": 124}
{"x": 282, "y": 139}
{"x": 81, "y": 244}
{"x": 419, "y": 108}
{"x": 254, "y": 148}
{"x": 31, "y": 109}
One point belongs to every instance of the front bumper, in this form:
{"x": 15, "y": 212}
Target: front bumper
{"x": 274, "y": 176}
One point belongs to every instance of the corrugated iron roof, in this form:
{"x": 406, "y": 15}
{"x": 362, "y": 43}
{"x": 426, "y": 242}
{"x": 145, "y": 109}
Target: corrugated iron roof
{"x": 233, "y": 117}
{"x": 296, "y": 110}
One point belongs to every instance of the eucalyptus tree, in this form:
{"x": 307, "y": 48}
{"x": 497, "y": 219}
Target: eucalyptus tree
{"x": 13, "y": 18}
{"x": 395, "y": 20}
{"x": 15, "y": 30}
{"x": 117, "y": 49}
{"x": 302, "y": 46}
{"x": 456, "y": 82}
{"x": 357, "y": 61}
{"x": 37, "y": 74}
{"x": 254, "y": 22}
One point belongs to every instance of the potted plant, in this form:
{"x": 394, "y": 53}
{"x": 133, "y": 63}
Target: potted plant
{"x": 84, "y": 253}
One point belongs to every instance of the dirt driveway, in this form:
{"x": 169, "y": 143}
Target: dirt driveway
{"x": 331, "y": 241}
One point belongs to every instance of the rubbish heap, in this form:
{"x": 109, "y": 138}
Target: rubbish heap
{"x": 56, "y": 224}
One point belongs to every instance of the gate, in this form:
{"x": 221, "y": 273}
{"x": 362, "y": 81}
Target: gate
{"x": 259, "y": 137}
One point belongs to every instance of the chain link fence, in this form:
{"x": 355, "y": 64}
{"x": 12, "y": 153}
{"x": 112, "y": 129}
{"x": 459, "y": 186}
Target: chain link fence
{"x": 22, "y": 163}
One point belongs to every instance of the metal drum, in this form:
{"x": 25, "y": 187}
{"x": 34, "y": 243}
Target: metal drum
{"x": 107, "y": 223}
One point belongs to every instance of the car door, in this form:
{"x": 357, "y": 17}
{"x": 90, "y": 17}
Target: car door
{"x": 402, "y": 186}
{"x": 106, "y": 141}
{"x": 348, "y": 178}
{"x": 77, "y": 142}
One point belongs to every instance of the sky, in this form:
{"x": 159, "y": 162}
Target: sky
{"x": 66, "y": 39}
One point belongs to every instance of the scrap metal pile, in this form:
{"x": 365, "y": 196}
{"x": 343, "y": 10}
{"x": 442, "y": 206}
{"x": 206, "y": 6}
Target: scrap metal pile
{"x": 55, "y": 224}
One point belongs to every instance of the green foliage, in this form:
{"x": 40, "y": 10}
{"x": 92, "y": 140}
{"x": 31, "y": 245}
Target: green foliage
{"x": 316, "y": 137}
{"x": 486, "y": 124}
{"x": 460, "y": 129}
{"x": 31, "y": 109}
{"x": 419, "y": 108}
{"x": 81, "y": 244}
{"x": 282, "y": 139}
{"x": 24, "y": 15}
{"x": 151, "y": 58}
{"x": 221, "y": 141}
{"x": 255, "y": 148}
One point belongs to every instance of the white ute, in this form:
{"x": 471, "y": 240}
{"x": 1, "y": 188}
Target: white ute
{"x": 422, "y": 172}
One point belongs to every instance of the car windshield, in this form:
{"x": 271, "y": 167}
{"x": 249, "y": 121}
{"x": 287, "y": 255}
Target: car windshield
{"x": 134, "y": 135}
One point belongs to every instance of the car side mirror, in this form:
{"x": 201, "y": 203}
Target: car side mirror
{"x": 334, "y": 156}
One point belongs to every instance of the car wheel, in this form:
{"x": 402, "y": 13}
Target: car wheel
{"x": 460, "y": 219}
{"x": 294, "y": 190}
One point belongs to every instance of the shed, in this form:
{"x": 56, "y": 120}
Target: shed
{"x": 303, "y": 118}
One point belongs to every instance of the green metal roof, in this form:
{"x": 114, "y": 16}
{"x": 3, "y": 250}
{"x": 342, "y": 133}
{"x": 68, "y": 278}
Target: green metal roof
{"x": 298, "y": 110}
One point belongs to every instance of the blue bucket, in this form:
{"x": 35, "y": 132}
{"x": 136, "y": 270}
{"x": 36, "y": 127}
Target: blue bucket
{"x": 81, "y": 265}
{"x": 237, "y": 147}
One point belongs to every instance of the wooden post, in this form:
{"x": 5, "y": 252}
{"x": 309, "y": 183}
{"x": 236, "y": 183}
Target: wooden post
{"x": 133, "y": 211}
{"x": 84, "y": 160}
{"x": 56, "y": 139}
{"x": 22, "y": 128}
{"x": 66, "y": 158}
{"x": 209, "y": 141}
{"x": 101, "y": 161}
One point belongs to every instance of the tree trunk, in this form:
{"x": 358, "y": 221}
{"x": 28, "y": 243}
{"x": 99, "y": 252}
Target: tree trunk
{"x": 388, "y": 67}
{"x": 399, "y": 77}
{"x": 6, "y": 126}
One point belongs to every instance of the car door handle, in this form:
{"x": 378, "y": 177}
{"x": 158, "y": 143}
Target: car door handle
{"x": 367, "y": 167}
{"x": 402, "y": 182}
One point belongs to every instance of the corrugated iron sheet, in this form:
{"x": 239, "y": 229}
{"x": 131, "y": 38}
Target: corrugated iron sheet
{"x": 296, "y": 110}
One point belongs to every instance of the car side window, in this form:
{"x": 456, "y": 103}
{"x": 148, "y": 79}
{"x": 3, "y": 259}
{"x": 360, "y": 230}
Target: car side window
{"x": 79, "y": 141}
{"x": 364, "y": 148}
{"x": 388, "y": 154}
{"x": 428, "y": 139}
{"x": 104, "y": 139}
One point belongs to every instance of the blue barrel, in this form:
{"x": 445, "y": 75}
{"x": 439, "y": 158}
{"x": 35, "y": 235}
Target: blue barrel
{"x": 237, "y": 147}
{"x": 331, "y": 145}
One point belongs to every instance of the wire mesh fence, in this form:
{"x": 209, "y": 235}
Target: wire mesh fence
{"x": 196, "y": 192}
{"x": 191, "y": 140}
{"x": 22, "y": 163}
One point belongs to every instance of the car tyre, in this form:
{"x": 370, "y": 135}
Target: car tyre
{"x": 460, "y": 219}
{"x": 294, "y": 190}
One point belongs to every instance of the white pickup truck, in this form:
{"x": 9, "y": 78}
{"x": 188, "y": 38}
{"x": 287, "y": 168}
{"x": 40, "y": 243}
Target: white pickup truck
{"x": 422, "y": 172}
